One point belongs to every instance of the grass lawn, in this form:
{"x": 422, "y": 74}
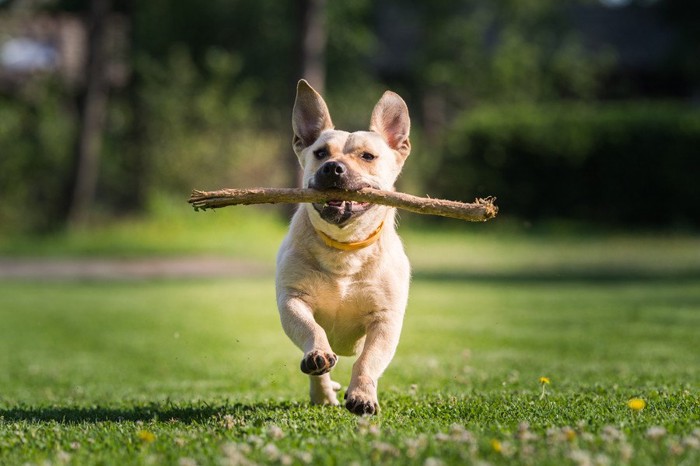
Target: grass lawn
{"x": 199, "y": 372}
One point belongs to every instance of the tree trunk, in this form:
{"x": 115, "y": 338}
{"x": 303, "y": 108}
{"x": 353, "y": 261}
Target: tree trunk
{"x": 137, "y": 161}
{"x": 311, "y": 51}
{"x": 92, "y": 106}
{"x": 313, "y": 43}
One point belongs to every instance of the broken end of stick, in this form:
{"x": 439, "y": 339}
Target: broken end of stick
{"x": 198, "y": 201}
{"x": 489, "y": 205}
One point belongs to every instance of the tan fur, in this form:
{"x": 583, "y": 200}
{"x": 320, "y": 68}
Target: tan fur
{"x": 334, "y": 302}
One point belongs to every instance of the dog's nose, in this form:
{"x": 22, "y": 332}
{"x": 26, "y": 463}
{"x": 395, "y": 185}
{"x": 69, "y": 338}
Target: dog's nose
{"x": 333, "y": 169}
{"x": 331, "y": 175}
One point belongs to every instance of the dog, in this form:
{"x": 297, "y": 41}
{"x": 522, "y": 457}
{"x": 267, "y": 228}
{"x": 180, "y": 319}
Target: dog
{"x": 342, "y": 274}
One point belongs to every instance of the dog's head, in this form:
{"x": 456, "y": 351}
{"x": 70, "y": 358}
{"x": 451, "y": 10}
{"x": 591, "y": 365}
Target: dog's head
{"x": 333, "y": 159}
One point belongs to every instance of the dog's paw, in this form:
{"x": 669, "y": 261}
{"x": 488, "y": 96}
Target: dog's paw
{"x": 361, "y": 406}
{"x": 318, "y": 362}
{"x": 361, "y": 397}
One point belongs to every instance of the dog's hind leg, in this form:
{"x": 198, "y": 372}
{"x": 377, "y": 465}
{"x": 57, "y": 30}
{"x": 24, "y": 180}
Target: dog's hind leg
{"x": 323, "y": 390}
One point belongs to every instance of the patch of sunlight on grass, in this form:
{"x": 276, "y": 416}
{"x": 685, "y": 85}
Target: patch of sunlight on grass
{"x": 478, "y": 249}
{"x": 172, "y": 229}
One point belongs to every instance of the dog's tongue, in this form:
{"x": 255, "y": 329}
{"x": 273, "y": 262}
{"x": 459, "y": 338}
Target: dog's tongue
{"x": 335, "y": 203}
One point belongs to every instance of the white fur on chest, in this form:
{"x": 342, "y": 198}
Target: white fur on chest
{"x": 343, "y": 309}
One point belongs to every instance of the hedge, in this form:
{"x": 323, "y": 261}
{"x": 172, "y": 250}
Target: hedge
{"x": 621, "y": 163}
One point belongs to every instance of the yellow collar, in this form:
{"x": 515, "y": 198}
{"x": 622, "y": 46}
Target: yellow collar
{"x": 354, "y": 246}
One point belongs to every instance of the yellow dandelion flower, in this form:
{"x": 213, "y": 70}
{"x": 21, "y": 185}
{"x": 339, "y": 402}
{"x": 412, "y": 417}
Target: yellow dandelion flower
{"x": 146, "y": 436}
{"x": 570, "y": 434}
{"x": 496, "y": 446}
{"x": 636, "y": 404}
{"x": 544, "y": 381}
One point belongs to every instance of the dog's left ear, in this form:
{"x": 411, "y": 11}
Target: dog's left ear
{"x": 390, "y": 119}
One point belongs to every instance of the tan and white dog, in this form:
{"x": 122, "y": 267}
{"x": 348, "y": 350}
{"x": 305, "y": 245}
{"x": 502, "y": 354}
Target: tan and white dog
{"x": 342, "y": 274}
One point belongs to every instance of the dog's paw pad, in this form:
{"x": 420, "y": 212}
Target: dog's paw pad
{"x": 361, "y": 407}
{"x": 318, "y": 362}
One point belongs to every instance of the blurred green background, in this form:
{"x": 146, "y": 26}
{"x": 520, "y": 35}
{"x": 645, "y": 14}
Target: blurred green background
{"x": 581, "y": 111}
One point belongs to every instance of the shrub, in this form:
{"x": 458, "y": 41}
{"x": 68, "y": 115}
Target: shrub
{"x": 631, "y": 163}
{"x": 36, "y": 139}
{"x": 203, "y": 128}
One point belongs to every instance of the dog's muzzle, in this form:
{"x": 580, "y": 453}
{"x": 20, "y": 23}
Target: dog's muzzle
{"x": 335, "y": 175}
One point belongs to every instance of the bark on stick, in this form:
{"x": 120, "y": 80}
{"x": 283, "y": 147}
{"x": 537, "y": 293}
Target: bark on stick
{"x": 478, "y": 211}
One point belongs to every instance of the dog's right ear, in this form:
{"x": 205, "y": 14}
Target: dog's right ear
{"x": 309, "y": 118}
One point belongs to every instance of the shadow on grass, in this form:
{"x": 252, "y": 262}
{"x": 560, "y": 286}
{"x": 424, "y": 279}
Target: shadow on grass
{"x": 163, "y": 412}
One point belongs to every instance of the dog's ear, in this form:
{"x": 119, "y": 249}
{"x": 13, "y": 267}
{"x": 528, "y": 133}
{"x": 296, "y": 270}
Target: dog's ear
{"x": 309, "y": 118}
{"x": 390, "y": 119}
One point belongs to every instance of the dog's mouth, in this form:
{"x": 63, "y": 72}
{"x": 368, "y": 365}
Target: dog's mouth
{"x": 348, "y": 205}
{"x": 339, "y": 212}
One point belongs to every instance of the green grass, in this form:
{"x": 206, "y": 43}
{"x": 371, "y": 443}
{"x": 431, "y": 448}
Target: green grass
{"x": 185, "y": 372}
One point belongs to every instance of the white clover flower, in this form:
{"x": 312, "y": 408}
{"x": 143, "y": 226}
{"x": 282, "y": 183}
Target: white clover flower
{"x": 611, "y": 434}
{"x": 459, "y": 434}
{"x": 524, "y": 433}
{"x": 234, "y": 454}
{"x": 581, "y": 457}
{"x": 271, "y": 452}
{"x": 413, "y": 446}
{"x": 229, "y": 421}
{"x": 431, "y": 461}
{"x": 304, "y": 456}
{"x": 275, "y": 432}
{"x": 692, "y": 442}
{"x": 63, "y": 457}
{"x": 385, "y": 449}
{"x": 254, "y": 440}
{"x": 442, "y": 437}
{"x": 655, "y": 433}
{"x": 626, "y": 452}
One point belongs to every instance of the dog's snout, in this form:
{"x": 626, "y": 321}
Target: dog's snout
{"x": 333, "y": 169}
{"x": 331, "y": 175}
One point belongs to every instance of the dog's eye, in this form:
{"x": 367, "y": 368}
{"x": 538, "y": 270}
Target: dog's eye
{"x": 321, "y": 153}
{"x": 367, "y": 156}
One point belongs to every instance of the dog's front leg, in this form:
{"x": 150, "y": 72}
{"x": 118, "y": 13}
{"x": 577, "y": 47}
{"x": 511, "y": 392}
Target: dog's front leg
{"x": 299, "y": 325}
{"x": 383, "y": 333}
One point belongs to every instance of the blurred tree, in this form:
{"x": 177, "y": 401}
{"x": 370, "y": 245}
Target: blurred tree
{"x": 313, "y": 37}
{"x": 502, "y": 51}
{"x": 684, "y": 63}
{"x": 92, "y": 110}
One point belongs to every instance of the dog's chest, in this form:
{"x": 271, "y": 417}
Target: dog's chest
{"x": 347, "y": 267}
{"x": 345, "y": 299}
{"x": 342, "y": 310}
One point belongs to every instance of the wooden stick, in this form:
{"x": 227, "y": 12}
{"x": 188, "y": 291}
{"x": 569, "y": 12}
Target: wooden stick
{"x": 479, "y": 211}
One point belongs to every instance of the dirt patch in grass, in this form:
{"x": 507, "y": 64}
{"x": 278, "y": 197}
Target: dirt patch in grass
{"x": 129, "y": 269}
